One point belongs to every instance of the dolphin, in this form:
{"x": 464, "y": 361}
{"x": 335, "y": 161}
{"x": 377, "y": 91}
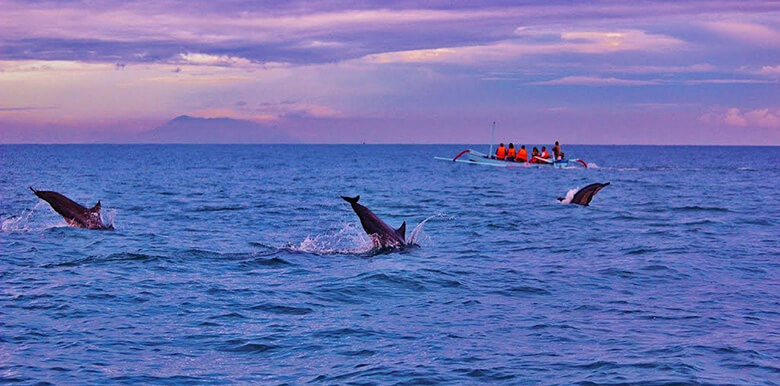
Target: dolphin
{"x": 585, "y": 195}
{"x": 381, "y": 234}
{"x": 74, "y": 214}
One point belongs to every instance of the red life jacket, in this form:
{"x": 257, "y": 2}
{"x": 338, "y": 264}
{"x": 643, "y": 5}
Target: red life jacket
{"x": 501, "y": 152}
{"x": 510, "y": 153}
{"x": 522, "y": 155}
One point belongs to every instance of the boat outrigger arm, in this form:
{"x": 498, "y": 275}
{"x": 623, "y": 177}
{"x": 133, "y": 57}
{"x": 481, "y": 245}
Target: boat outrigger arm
{"x": 474, "y": 157}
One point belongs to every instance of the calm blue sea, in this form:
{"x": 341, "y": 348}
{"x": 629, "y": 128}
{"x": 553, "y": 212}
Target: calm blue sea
{"x": 242, "y": 264}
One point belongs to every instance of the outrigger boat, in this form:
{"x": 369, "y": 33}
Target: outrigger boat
{"x": 474, "y": 157}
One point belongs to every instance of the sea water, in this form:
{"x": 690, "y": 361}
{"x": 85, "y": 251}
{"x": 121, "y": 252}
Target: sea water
{"x": 242, "y": 264}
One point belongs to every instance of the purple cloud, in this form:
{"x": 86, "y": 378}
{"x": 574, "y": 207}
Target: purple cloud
{"x": 328, "y": 71}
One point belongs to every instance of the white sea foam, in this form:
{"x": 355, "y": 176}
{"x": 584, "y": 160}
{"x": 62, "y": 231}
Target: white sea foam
{"x": 346, "y": 240}
{"x": 569, "y": 195}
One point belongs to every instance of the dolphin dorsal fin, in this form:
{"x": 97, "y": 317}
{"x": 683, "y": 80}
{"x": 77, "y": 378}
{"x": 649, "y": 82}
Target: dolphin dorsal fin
{"x": 96, "y": 208}
{"x": 402, "y": 230}
{"x": 351, "y": 200}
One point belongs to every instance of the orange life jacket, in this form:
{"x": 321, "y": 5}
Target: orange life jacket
{"x": 501, "y": 152}
{"x": 545, "y": 155}
{"x": 510, "y": 153}
{"x": 522, "y": 155}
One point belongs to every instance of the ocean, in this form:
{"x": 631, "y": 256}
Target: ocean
{"x": 241, "y": 264}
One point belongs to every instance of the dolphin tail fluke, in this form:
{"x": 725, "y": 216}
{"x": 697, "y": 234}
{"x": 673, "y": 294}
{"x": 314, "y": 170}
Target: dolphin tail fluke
{"x": 402, "y": 230}
{"x": 351, "y": 200}
{"x": 96, "y": 208}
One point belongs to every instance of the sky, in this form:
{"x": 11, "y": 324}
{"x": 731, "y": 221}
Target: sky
{"x": 604, "y": 72}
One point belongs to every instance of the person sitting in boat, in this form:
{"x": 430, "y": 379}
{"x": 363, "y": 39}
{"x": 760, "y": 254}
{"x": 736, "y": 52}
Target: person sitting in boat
{"x": 544, "y": 153}
{"x": 510, "y": 153}
{"x": 522, "y": 155}
{"x": 557, "y": 152}
{"x": 501, "y": 151}
{"x": 534, "y": 154}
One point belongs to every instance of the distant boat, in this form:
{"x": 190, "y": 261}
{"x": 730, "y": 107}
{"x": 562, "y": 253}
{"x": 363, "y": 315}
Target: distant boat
{"x": 474, "y": 157}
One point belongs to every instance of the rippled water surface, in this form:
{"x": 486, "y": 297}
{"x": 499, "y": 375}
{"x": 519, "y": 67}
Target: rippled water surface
{"x": 242, "y": 264}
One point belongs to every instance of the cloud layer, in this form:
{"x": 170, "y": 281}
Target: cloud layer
{"x": 325, "y": 70}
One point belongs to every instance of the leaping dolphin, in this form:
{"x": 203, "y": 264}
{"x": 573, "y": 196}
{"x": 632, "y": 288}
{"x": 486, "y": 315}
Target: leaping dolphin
{"x": 585, "y": 195}
{"x": 381, "y": 234}
{"x": 74, "y": 214}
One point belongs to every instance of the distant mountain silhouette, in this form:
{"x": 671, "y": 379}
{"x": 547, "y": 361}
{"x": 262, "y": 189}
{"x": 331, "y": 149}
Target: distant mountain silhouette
{"x": 187, "y": 129}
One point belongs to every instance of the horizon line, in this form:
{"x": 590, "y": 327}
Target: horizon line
{"x": 356, "y": 144}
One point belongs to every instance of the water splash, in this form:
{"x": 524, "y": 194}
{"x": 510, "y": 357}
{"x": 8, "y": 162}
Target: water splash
{"x": 351, "y": 240}
{"x": 418, "y": 236}
{"x": 348, "y": 240}
{"x": 569, "y": 195}
{"x": 37, "y": 220}
{"x": 109, "y": 218}
{"x": 22, "y": 223}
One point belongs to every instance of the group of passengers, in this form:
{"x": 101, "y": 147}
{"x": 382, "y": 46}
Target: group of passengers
{"x": 521, "y": 155}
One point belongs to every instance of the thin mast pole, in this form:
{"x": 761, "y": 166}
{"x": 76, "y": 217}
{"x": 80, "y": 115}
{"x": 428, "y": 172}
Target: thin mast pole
{"x": 492, "y": 137}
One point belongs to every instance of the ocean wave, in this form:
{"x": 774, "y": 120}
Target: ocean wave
{"x": 397, "y": 281}
{"x": 229, "y": 315}
{"x": 617, "y": 272}
{"x": 113, "y": 258}
{"x": 244, "y": 346}
{"x": 697, "y": 208}
{"x": 226, "y": 208}
{"x": 522, "y": 290}
{"x": 338, "y": 333}
{"x": 640, "y": 250}
{"x": 266, "y": 262}
{"x": 701, "y": 222}
{"x": 282, "y": 310}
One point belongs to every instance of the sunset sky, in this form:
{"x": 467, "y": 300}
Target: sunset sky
{"x": 622, "y": 72}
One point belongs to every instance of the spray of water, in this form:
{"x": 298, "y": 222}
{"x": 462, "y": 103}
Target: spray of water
{"x": 351, "y": 240}
{"x": 21, "y": 223}
{"x": 109, "y": 217}
{"x": 569, "y": 195}
{"x": 347, "y": 240}
{"x": 35, "y": 219}
{"x": 418, "y": 236}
